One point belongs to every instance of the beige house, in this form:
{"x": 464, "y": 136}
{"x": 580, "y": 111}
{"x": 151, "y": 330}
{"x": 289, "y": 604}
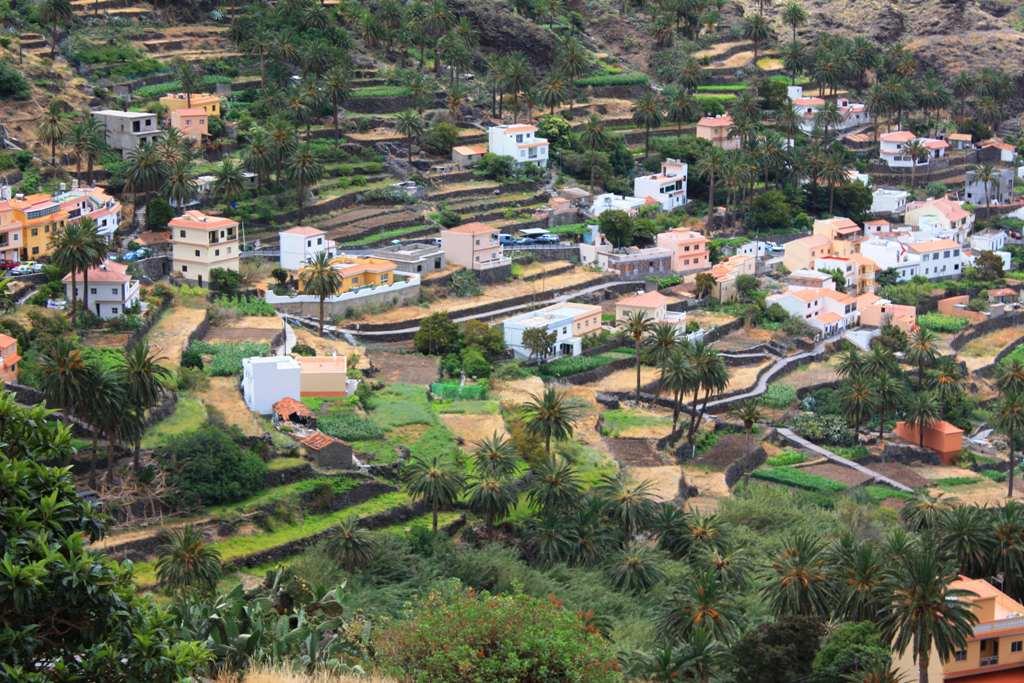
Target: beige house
{"x": 201, "y": 243}
{"x": 322, "y": 375}
{"x": 191, "y": 123}
{"x": 689, "y": 249}
{"x": 474, "y": 246}
{"x": 653, "y": 304}
{"x": 801, "y": 254}
{"x": 718, "y": 131}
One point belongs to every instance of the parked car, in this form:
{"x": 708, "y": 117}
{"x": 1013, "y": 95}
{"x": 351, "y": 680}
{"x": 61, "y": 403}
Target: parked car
{"x": 141, "y": 252}
{"x": 547, "y": 239}
{"x": 8, "y": 265}
{"x": 505, "y": 238}
{"x": 27, "y": 268}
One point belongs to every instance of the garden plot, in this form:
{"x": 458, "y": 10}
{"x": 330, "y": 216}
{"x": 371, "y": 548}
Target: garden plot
{"x": 224, "y": 397}
{"x": 813, "y": 374}
{"x": 246, "y": 329}
{"x": 844, "y": 475}
{"x": 745, "y": 376}
{"x": 405, "y": 368}
{"x": 718, "y": 49}
{"x": 969, "y": 487}
{"x": 709, "y": 319}
{"x": 982, "y": 351}
{"x": 492, "y": 294}
{"x": 514, "y": 392}
{"x": 743, "y": 339}
{"x": 905, "y": 475}
{"x": 621, "y": 380}
{"x": 636, "y": 423}
{"x": 473, "y": 427}
{"x": 326, "y": 347}
{"x": 170, "y": 333}
{"x": 637, "y": 453}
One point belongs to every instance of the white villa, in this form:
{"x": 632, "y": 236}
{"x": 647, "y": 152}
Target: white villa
{"x": 852, "y": 114}
{"x": 668, "y": 187}
{"x": 519, "y": 141}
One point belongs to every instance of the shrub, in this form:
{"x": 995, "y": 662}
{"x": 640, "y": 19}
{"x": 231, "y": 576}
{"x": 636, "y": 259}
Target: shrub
{"x": 247, "y": 305}
{"x": 190, "y": 378}
{"x": 465, "y": 284}
{"x": 12, "y": 84}
{"x": 612, "y": 79}
{"x": 525, "y": 638}
{"x": 511, "y": 370}
{"x": 824, "y": 429}
{"x": 571, "y": 365}
{"x": 303, "y": 350}
{"x": 348, "y": 426}
{"x": 937, "y": 322}
{"x": 779, "y": 396}
{"x": 474, "y": 364}
{"x": 440, "y": 137}
{"x": 227, "y": 358}
{"x": 794, "y": 477}
{"x": 212, "y": 468}
{"x": 192, "y": 359}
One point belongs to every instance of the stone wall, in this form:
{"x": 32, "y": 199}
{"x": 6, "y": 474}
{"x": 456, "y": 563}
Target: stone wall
{"x": 595, "y": 374}
{"x": 406, "y": 292}
{"x": 548, "y": 253}
{"x": 155, "y": 267}
{"x": 983, "y": 328}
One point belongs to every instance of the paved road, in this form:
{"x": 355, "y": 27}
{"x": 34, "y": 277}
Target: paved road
{"x": 355, "y": 332}
{"x": 789, "y": 435}
{"x": 762, "y": 383}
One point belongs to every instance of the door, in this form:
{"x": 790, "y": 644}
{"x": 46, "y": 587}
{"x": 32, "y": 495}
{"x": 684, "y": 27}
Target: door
{"x": 200, "y": 280}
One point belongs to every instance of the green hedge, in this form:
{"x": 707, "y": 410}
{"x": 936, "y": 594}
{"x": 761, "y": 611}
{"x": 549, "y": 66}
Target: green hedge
{"x": 613, "y": 79}
{"x": 786, "y": 458}
{"x": 572, "y": 365}
{"x": 450, "y": 391}
{"x": 794, "y": 477}
{"x": 938, "y": 322}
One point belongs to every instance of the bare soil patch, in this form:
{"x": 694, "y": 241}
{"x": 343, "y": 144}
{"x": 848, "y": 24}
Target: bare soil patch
{"x": 716, "y": 49}
{"x": 664, "y": 480}
{"x": 327, "y": 347}
{"x": 982, "y": 351}
{"x": 709, "y": 319}
{"x": 170, "y": 333}
{"x": 224, "y": 396}
{"x": 735, "y": 61}
{"x": 843, "y": 475}
{"x": 636, "y": 452}
{"x": 514, "y": 392}
{"x": 473, "y": 428}
{"x": 711, "y": 488}
{"x": 901, "y": 473}
{"x": 741, "y": 340}
{"x": 812, "y": 374}
{"x": 745, "y": 376}
{"x": 106, "y": 340}
{"x": 728, "y": 449}
{"x": 405, "y": 368}
{"x": 246, "y": 329}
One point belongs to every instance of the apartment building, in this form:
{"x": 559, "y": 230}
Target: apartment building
{"x": 10, "y": 233}
{"x": 997, "y": 644}
{"x": 887, "y": 201}
{"x": 112, "y": 291}
{"x": 851, "y": 114}
{"x": 668, "y": 187}
{"x": 474, "y": 246}
{"x": 126, "y": 131}
{"x": 939, "y": 258}
{"x": 718, "y": 131}
{"x": 800, "y": 254}
{"x": 41, "y": 217}
{"x": 301, "y": 244}
{"x": 205, "y": 102}
{"x": 569, "y": 322}
{"x": 413, "y": 257}
{"x": 941, "y": 214}
{"x": 193, "y": 124}
{"x": 520, "y": 142}
{"x": 828, "y": 311}
{"x": 91, "y": 202}
{"x": 892, "y": 254}
{"x": 201, "y": 243}
{"x": 878, "y": 312}
{"x": 689, "y": 249}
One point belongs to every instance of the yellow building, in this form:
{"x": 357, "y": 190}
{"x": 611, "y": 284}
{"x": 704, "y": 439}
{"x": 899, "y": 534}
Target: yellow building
{"x": 363, "y": 271}
{"x": 210, "y": 104}
{"x": 41, "y": 218}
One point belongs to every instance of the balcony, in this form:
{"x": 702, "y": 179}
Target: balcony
{"x": 492, "y": 263}
{"x": 991, "y": 660}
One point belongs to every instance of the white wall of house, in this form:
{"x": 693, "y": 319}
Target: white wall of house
{"x": 889, "y": 201}
{"x": 265, "y": 381}
{"x": 297, "y": 250}
{"x": 519, "y": 142}
{"x": 107, "y": 299}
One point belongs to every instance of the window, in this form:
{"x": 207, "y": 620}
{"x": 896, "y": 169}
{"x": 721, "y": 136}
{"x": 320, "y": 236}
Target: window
{"x": 113, "y": 309}
{"x": 35, "y": 232}
{"x": 216, "y": 252}
{"x": 184, "y": 269}
{"x": 960, "y": 655}
{"x": 1016, "y": 646}
{"x": 519, "y": 138}
{"x": 181, "y": 233}
{"x": 92, "y": 290}
{"x": 115, "y": 290}
{"x": 35, "y": 250}
{"x": 197, "y": 252}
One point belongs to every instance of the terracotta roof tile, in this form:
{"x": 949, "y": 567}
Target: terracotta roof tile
{"x": 318, "y": 441}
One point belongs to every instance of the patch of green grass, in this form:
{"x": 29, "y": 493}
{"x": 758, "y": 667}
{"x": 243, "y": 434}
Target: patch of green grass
{"x": 421, "y": 522}
{"x": 571, "y": 365}
{"x": 227, "y": 357}
{"x": 789, "y": 476}
{"x": 402, "y": 404}
{"x": 994, "y": 475}
{"x": 381, "y": 451}
{"x": 380, "y": 91}
{"x": 612, "y": 79}
{"x": 238, "y": 547}
{"x": 348, "y": 426}
{"x": 705, "y": 98}
{"x": 393, "y": 233}
{"x": 615, "y": 422}
{"x": 953, "y": 482}
{"x": 779, "y": 395}
{"x": 938, "y": 322}
{"x": 436, "y": 441}
{"x": 189, "y": 415}
{"x": 277, "y": 464}
{"x": 854, "y": 453}
{"x": 878, "y": 493}
{"x": 786, "y": 457}
{"x": 314, "y": 403}
{"x": 578, "y": 229}
{"x": 467, "y": 407}
{"x": 722, "y": 87}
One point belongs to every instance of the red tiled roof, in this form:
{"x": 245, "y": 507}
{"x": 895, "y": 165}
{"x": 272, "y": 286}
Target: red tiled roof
{"x": 897, "y": 136}
{"x": 288, "y": 406}
{"x": 110, "y": 271}
{"x": 304, "y": 230}
{"x": 471, "y": 150}
{"x": 318, "y": 441}
{"x": 647, "y": 300}
{"x": 716, "y": 121}
{"x": 472, "y": 229}
{"x": 197, "y": 220}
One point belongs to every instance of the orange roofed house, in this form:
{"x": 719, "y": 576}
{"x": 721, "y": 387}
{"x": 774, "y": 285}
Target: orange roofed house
{"x": 718, "y": 131}
{"x": 201, "y": 243}
{"x": 474, "y": 246}
{"x": 994, "y": 651}
{"x": 653, "y": 304}
{"x": 466, "y": 155}
{"x": 9, "y": 358}
{"x": 358, "y": 272}
{"x": 940, "y": 436}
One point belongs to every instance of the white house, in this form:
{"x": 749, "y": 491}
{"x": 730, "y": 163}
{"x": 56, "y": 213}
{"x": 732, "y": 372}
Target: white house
{"x": 893, "y": 149}
{"x": 939, "y": 258}
{"x": 126, "y": 131}
{"x": 941, "y": 213}
{"x": 519, "y": 141}
{"x": 301, "y": 244}
{"x": 91, "y": 202}
{"x": 892, "y": 255}
{"x": 884, "y": 200}
{"x": 614, "y": 202}
{"x": 265, "y": 381}
{"x": 828, "y": 311}
{"x": 988, "y": 240}
{"x": 112, "y": 291}
{"x": 570, "y": 323}
{"x": 851, "y": 114}
{"x": 1007, "y": 152}
{"x": 667, "y": 187}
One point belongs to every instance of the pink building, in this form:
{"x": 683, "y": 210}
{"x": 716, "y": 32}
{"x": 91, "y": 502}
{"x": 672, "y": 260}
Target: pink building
{"x": 689, "y": 249}
{"x": 191, "y": 123}
{"x": 718, "y": 130}
{"x": 9, "y": 358}
{"x": 474, "y": 246}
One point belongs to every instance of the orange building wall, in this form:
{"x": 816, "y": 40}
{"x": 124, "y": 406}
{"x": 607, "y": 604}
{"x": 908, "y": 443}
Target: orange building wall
{"x": 941, "y": 437}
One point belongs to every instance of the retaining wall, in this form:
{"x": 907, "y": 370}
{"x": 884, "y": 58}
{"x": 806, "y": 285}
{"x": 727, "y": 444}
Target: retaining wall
{"x": 984, "y": 327}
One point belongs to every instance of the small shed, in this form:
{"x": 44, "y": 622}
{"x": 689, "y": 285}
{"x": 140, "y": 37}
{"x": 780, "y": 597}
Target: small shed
{"x": 327, "y": 451}
{"x": 467, "y": 155}
{"x": 296, "y": 412}
{"x": 940, "y": 436}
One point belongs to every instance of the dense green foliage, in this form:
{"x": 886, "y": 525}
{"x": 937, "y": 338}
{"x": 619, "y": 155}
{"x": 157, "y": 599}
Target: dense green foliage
{"x": 208, "y": 467}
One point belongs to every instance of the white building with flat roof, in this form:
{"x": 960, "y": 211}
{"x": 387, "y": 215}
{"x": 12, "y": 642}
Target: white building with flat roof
{"x": 668, "y": 187}
{"x": 884, "y": 200}
{"x": 519, "y": 141}
{"x": 614, "y": 202}
{"x": 569, "y": 322}
{"x": 266, "y": 380}
{"x": 126, "y": 131}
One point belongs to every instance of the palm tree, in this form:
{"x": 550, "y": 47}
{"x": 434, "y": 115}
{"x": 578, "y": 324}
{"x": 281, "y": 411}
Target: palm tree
{"x": 146, "y": 170}
{"x": 87, "y": 139}
{"x": 925, "y": 511}
{"x": 749, "y": 413}
{"x": 65, "y": 379}
{"x": 1009, "y": 418}
{"x": 491, "y": 497}
{"x": 827, "y": 117}
{"x": 179, "y": 186}
{"x": 188, "y": 79}
{"x": 925, "y": 613}
{"x": 986, "y": 173}
{"x": 55, "y": 14}
{"x": 631, "y": 504}
{"x": 833, "y": 172}
{"x": 53, "y": 128}
{"x": 757, "y": 30}
{"x": 105, "y": 403}
{"x": 573, "y": 60}
{"x": 350, "y": 546}
{"x": 922, "y": 410}
{"x": 283, "y": 142}
{"x": 554, "y": 487}
{"x": 259, "y": 156}
{"x": 647, "y": 113}
{"x": 858, "y": 398}
{"x": 917, "y": 152}
{"x": 95, "y": 249}
{"x": 230, "y": 183}
{"x": 947, "y": 380}
{"x": 889, "y": 393}
{"x": 1010, "y": 376}
{"x": 858, "y": 569}
{"x": 593, "y": 137}
{"x": 304, "y": 170}
{"x": 320, "y": 279}
{"x": 794, "y": 15}
{"x": 145, "y": 381}
{"x": 634, "y": 569}
{"x": 517, "y": 79}
{"x": 337, "y": 83}
{"x": 799, "y": 582}
{"x": 705, "y": 284}
{"x": 186, "y": 562}
{"x": 549, "y": 540}
{"x": 550, "y": 415}
{"x": 173, "y": 147}
{"x": 704, "y": 602}
{"x": 494, "y": 456}
{"x": 966, "y": 533}
{"x": 437, "y": 482}
{"x": 680, "y": 109}
{"x": 708, "y": 166}
{"x": 68, "y": 250}
{"x": 552, "y": 91}
{"x": 410, "y": 125}
{"x": 662, "y": 341}
{"x": 638, "y": 325}
{"x": 677, "y": 375}
{"x": 921, "y": 351}
{"x": 710, "y": 377}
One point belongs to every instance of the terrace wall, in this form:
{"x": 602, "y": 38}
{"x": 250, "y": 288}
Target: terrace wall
{"x": 983, "y": 328}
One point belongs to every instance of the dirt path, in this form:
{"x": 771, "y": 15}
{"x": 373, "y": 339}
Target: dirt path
{"x": 169, "y": 334}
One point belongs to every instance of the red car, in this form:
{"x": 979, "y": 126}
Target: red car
{"x": 7, "y": 265}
